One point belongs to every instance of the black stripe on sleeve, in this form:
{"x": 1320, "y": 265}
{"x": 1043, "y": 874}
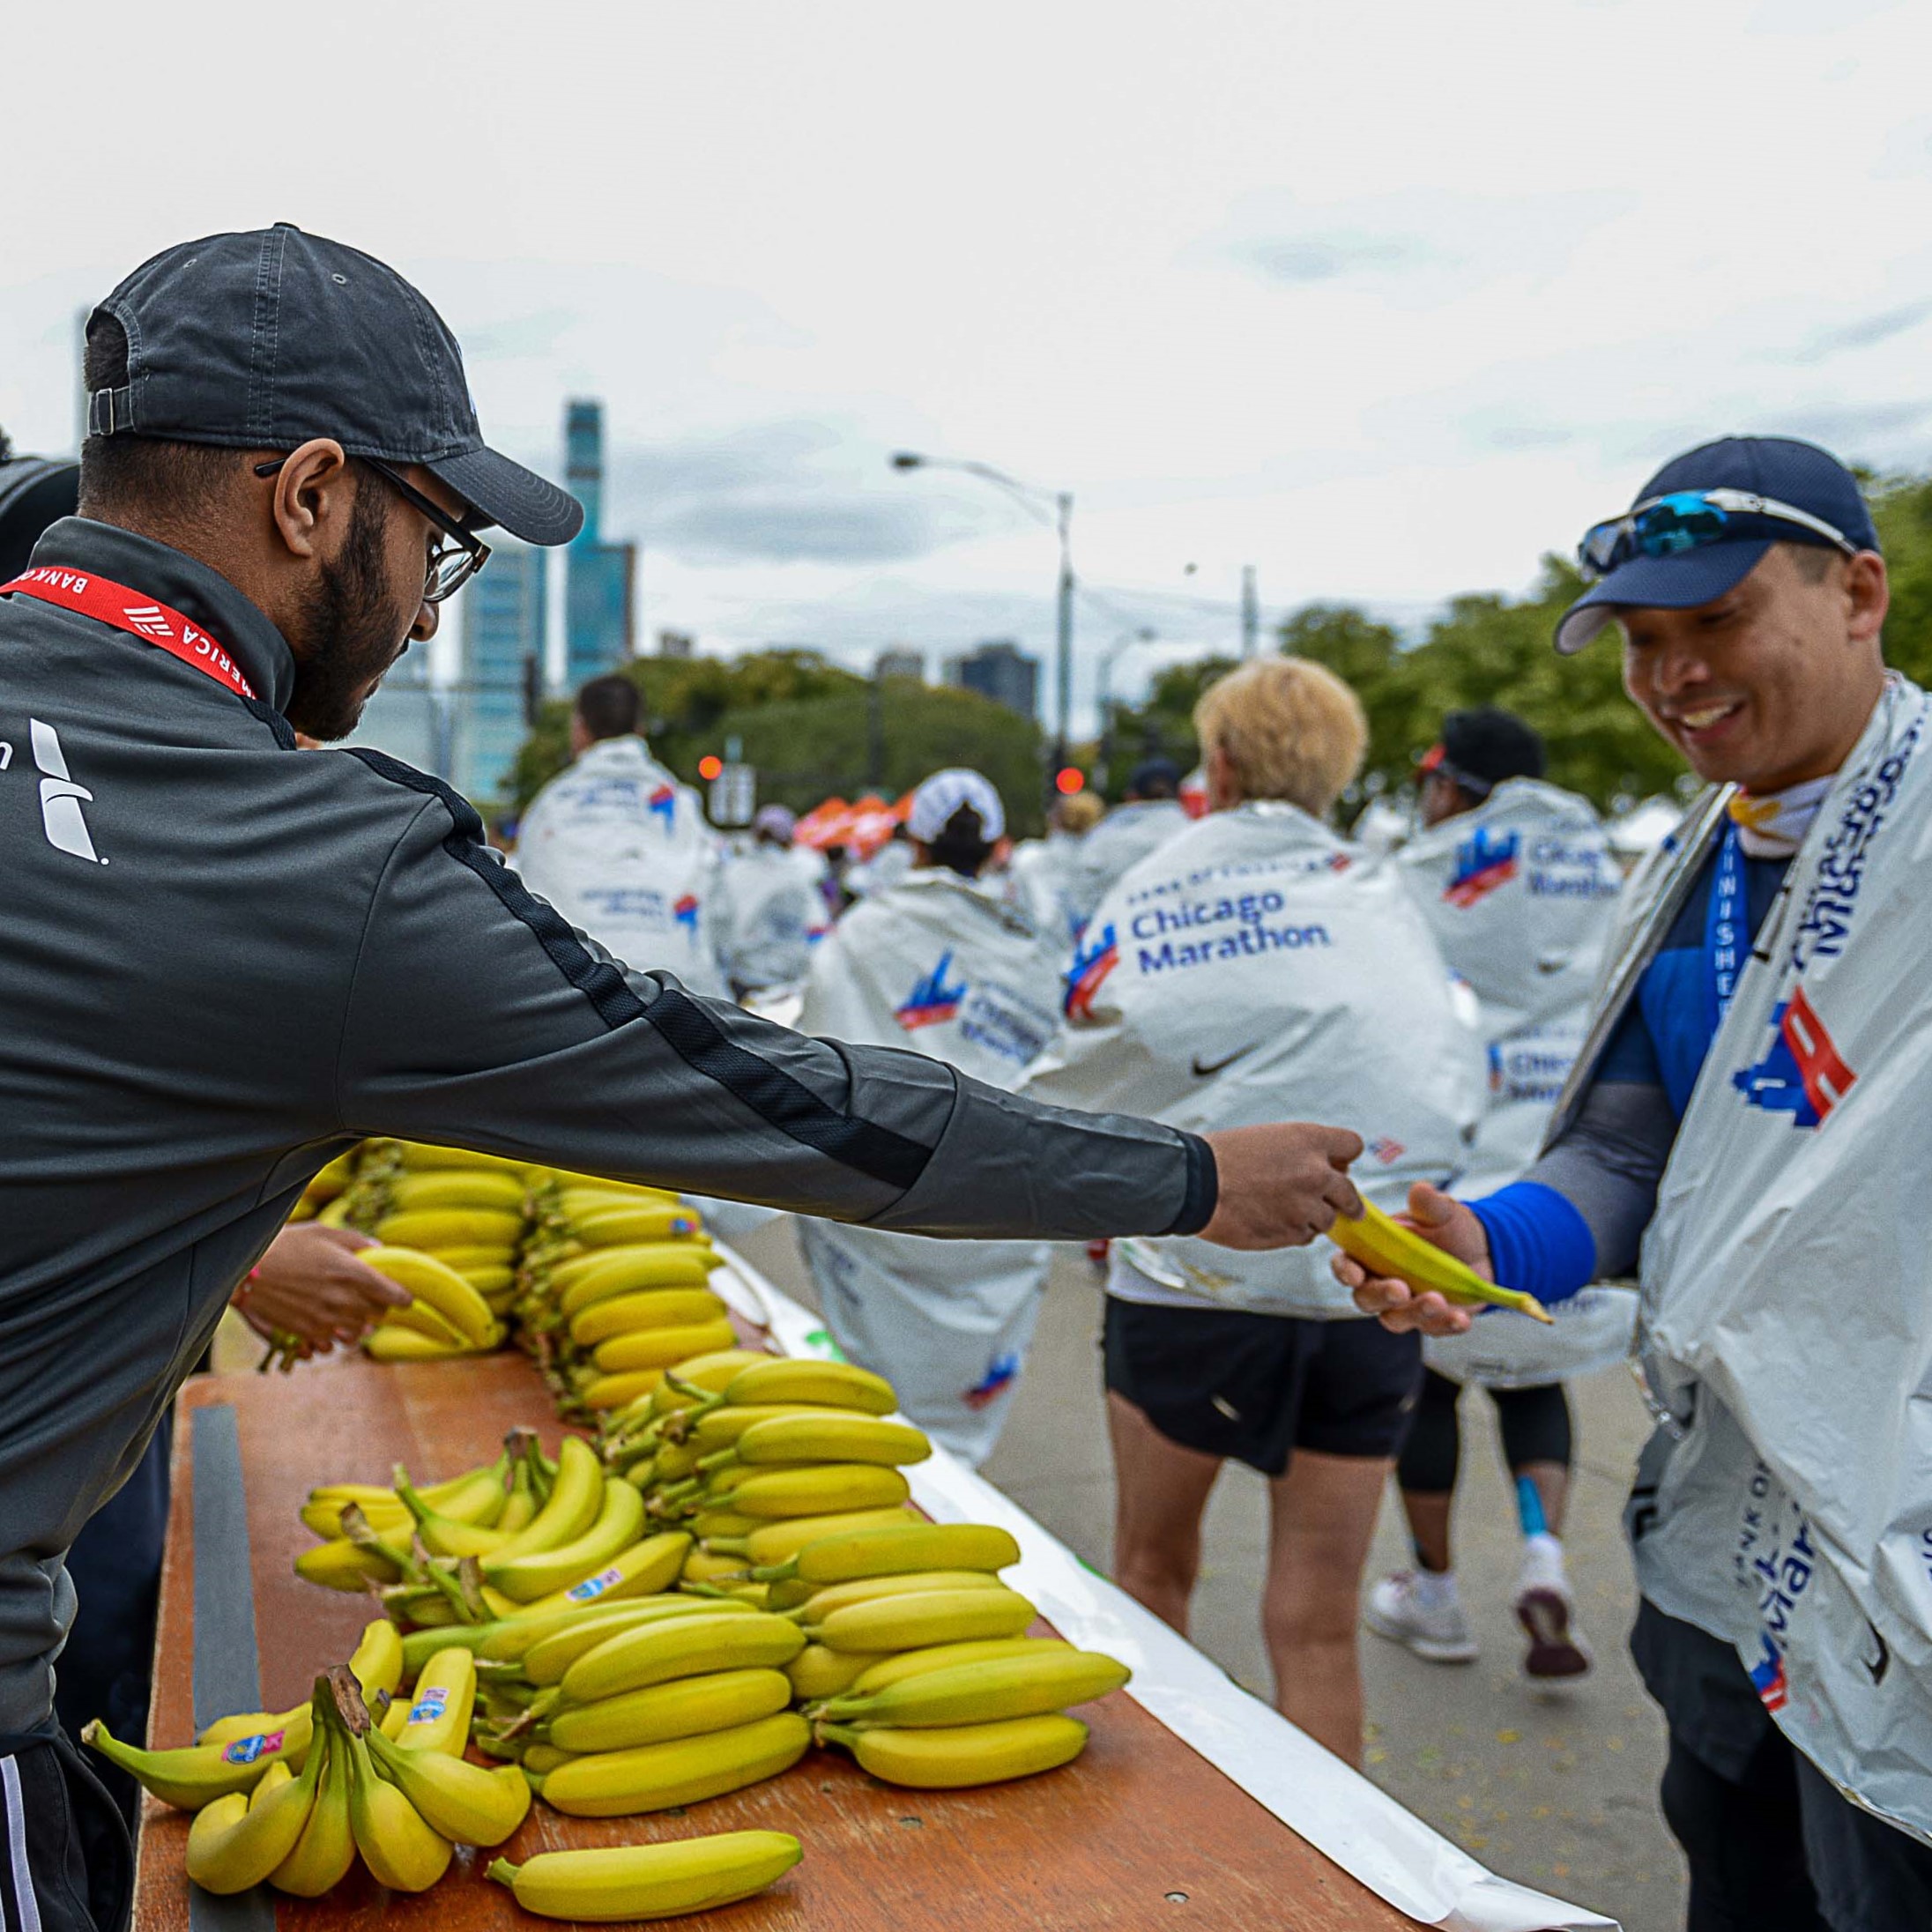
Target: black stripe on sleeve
{"x": 681, "y": 1022}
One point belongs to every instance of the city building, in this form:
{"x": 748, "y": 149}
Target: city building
{"x": 503, "y": 613}
{"x": 900, "y": 662}
{"x": 1002, "y": 672}
{"x": 597, "y": 575}
{"x": 408, "y": 717}
{"x": 675, "y": 644}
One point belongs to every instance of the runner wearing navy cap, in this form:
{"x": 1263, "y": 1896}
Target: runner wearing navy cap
{"x": 1734, "y": 1115}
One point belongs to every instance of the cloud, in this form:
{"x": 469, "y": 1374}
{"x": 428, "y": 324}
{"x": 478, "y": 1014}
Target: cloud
{"x": 538, "y": 334}
{"x": 768, "y": 527}
{"x": 1852, "y": 428}
{"x": 1326, "y": 258}
{"x": 1863, "y": 334}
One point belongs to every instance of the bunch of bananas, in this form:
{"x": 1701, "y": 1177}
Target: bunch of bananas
{"x": 330, "y": 1184}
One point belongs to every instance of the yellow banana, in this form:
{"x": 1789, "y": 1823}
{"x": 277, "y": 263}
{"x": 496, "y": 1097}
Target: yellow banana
{"x": 540, "y": 1760}
{"x": 817, "y": 1672}
{"x": 650, "y": 1881}
{"x": 442, "y": 1536}
{"x": 719, "y": 1700}
{"x": 439, "y": 1288}
{"x": 496, "y": 1285}
{"x": 462, "y": 1801}
{"x": 539, "y": 1573}
{"x": 608, "y": 1392}
{"x": 643, "y": 1570}
{"x": 725, "y": 1524}
{"x": 661, "y": 1348}
{"x": 831, "y": 1438}
{"x": 437, "y": 1716}
{"x": 457, "y": 1187}
{"x": 339, "y": 1565}
{"x": 417, "y": 1156}
{"x": 332, "y": 1178}
{"x": 981, "y": 1692}
{"x": 468, "y": 1259}
{"x": 324, "y": 1518}
{"x": 238, "y": 1840}
{"x": 1385, "y": 1246}
{"x": 671, "y": 1309}
{"x": 324, "y": 1849}
{"x": 197, "y": 1774}
{"x": 656, "y": 1777}
{"x": 711, "y": 1374}
{"x": 680, "y": 1646}
{"x": 700, "y": 1566}
{"x": 778, "y": 1543}
{"x": 900, "y": 1665}
{"x": 421, "y": 1319}
{"x": 577, "y": 1198}
{"x": 659, "y": 1266}
{"x": 378, "y": 1667}
{"x": 835, "y": 1488}
{"x": 824, "y": 1598}
{"x": 838, "y": 1385}
{"x": 914, "y": 1623}
{"x": 711, "y": 1429}
{"x": 627, "y": 1224}
{"x": 963, "y": 1754}
{"x": 388, "y": 1342}
{"x": 899, "y": 1549}
{"x": 336, "y": 1214}
{"x": 563, "y": 1642}
{"x": 428, "y": 1228}
{"x": 576, "y": 1495}
{"x": 402, "y": 1850}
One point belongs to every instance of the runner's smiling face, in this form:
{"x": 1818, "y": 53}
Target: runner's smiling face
{"x": 1772, "y": 683}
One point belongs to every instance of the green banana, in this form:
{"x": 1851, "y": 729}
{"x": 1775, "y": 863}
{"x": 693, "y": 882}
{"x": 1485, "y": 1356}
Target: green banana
{"x": 965, "y": 1754}
{"x": 979, "y": 1693}
{"x": 914, "y": 1623}
{"x": 656, "y": 1777}
{"x": 680, "y": 1646}
{"x": 650, "y": 1881}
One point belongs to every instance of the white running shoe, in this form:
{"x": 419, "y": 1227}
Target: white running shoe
{"x": 1441, "y": 1633}
{"x": 1545, "y": 1609}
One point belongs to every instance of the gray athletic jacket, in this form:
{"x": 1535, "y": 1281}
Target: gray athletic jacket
{"x": 225, "y": 961}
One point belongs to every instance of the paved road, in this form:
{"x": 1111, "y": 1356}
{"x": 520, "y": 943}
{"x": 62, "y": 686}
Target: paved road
{"x": 1560, "y": 1792}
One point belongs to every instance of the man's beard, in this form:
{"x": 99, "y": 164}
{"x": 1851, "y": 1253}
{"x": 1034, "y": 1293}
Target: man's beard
{"x": 351, "y": 633}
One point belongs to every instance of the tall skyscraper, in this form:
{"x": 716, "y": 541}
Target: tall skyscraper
{"x": 598, "y": 614}
{"x": 503, "y": 632}
{"x": 1002, "y": 672}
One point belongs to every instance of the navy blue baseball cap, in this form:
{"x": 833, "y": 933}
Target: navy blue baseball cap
{"x": 1686, "y": 569}
{"x": 264, "y": 339}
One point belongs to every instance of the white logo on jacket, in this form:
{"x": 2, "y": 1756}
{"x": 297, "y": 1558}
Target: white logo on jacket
{"x": 60, "y": 799}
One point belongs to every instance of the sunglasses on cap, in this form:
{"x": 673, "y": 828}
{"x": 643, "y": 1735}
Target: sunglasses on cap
{"x": 1666, "y": 526}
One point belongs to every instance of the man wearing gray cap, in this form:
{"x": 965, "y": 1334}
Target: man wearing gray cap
{"x": 1743, "y": 1129}
{"x": 225, "y": 964}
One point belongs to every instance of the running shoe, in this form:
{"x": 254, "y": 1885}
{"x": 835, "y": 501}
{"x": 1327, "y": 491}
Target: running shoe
{"x": 1441, "y": 1633}
{"x": 1547, "y": 1611}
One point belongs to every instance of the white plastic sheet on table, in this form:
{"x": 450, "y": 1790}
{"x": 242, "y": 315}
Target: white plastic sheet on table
{"x": 1341, "y": 1814}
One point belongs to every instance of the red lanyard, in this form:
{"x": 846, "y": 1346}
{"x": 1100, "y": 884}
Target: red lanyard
{"x": 127, "y": 610}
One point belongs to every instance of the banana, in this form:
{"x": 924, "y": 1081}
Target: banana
{"x": 832, "y": 1437}
{"x": 540, "y": 1573}
{"x": 661, "y": 1348}
{"x": 684, "y": 1273}
{"x": 378, "y": 1667}
{"x": 457, "y": 1187}
{"x": 709, "y": 1430}
{"x": 418, "y": 1156}
{"x": 539, "y": 1760}
{"x": 438, "y": 1709}
{"x": 724, "y": 1524}
{"x": 898, "y": 1548}
{"x": 898, "y": 1665}
{"x": 438, "y": 1287}
{"x": 466, "y": 1260}
{"x": 197, "y": 1774}
{"x": 643, "y": 1570}
{"x": 561, "y": 1644}
{"x": 576, "y": 1496}
{"x": 580, "y": 1198}
{"x": 983, "y": 1692}
{"x": 719, "y": 1700}
{"x": 324, "y": 1849}
{"x": 700, "y": 1566}
{"x": 915, "y": 1622}
{"x": 835, "y": 1488}
{"x": 703, "y": 1380}
{"x": 778, "y": 1543}
{"x": 429, "y": 1229}
{"x": 1385, "y": 1246}
{"x": 816, "y": 1673}
{"x": 824, "y": 1598}
{"x": 339, "y": 1565}
{"x": 239, "y": 1840}
{"x": 441, "y": 1535}
{"x": 324, "y": 1518}
{"x": 964, "y": 1754}
{"x": 389, "y": 1341}
{"x": 608, "y": 1392}
{"x": 462, "y": 1801}
{"x": 680, "y": 1646}
{"x": 496, "y": 1285}
{"x": 401, "y": 1848}
{"x": 838, "y": 1385}
{"x": 656, "y": 1777}
{"x": 627, "y": 1224}
{"x": 650, "y": 1881}
{"x": 655, "y": 1308}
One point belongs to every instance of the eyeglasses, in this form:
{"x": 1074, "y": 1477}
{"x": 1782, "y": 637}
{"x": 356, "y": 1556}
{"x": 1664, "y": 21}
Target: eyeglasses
{"x": 451, "y": 565}
{"x": 1666, "y": 526}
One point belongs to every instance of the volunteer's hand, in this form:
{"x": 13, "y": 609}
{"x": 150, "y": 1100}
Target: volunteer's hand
{"x": 309, "y": 1284}
{"x": 1453, "y": 1228}
{"x": 1280, "y": 1186}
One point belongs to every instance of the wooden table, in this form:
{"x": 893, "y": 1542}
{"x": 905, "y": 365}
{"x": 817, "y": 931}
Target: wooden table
{"x": 1140, "y": 1832}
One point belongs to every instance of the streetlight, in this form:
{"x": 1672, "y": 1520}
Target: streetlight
{"x": 1121, "y": 645}
{"x": 1034, "y": 501}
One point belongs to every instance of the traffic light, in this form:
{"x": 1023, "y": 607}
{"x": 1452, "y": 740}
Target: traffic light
{"x": 710, "y": 766}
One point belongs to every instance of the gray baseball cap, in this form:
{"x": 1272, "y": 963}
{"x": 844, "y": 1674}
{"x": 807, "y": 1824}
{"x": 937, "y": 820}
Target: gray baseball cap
{"x": 264, "y": 339}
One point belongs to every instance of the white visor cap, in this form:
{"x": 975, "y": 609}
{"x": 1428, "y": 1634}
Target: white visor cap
{"x": 934, "y": 803}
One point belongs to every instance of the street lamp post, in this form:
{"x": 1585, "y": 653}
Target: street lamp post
{"x": 1036, "y": 502}
{"x": 1118, "y": 649}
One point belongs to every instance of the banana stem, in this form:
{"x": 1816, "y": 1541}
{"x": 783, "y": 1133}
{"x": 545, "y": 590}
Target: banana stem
{"x": 346, "y": 1694}
{"x": 502, "y": 1870}
{"x": 731, "y": 1546}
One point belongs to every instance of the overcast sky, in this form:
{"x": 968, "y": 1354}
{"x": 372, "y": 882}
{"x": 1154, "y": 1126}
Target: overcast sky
{"x": 1385, "y": 298}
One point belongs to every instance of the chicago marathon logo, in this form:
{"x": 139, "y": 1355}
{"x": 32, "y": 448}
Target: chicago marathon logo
{"x": 1091, "y": 967}
{"x": 1482, "y": 864}
{"x": 932, "y": 999}
{"x": 663, "y": 803}
{"x": 1802, "y": 1073}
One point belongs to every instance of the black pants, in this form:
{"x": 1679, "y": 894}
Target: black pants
{"x": 1534, "y": 1424}
{"x": 58, "y": 1824}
